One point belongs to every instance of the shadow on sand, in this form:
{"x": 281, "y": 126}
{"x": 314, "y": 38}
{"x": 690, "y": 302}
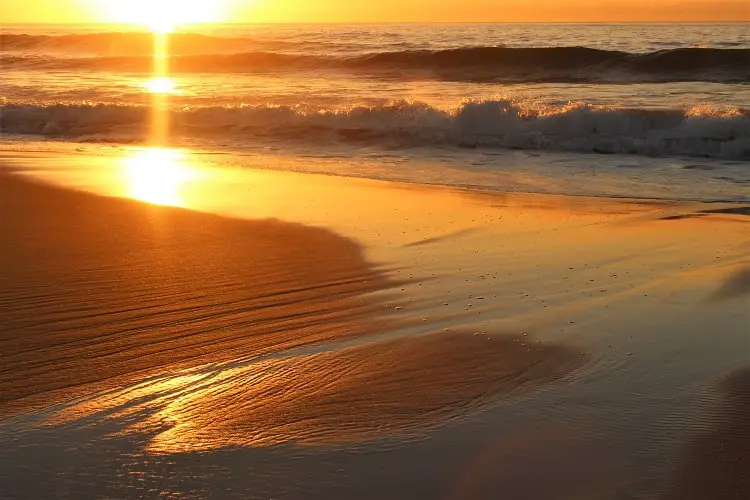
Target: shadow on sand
{"x": 717, "y": 464}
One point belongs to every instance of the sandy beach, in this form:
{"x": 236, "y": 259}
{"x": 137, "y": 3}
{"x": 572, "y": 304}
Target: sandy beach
{"x": 97, "y": 290}
{"x": 376, "y": 332}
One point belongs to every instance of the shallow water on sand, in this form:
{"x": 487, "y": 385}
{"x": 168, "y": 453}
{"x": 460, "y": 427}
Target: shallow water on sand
{"x": 628, "y": 321}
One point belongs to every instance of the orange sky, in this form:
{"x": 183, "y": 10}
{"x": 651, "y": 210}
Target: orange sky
{"x": 62, "y": 11}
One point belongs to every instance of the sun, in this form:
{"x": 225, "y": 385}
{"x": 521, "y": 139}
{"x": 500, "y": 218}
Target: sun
{"x": 163, "y": 16}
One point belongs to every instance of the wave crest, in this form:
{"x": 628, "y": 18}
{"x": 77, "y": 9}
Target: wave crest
{"x": 701, "y": 131}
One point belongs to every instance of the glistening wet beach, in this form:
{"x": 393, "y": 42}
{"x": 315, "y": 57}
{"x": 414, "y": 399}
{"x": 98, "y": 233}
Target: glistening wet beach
{"x": 188, "y": 353}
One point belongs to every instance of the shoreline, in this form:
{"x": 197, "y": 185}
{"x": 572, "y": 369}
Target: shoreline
{"x": 532, "y": 181}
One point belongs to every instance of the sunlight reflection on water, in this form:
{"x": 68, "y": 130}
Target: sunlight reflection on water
{"x": 161, "y": 85}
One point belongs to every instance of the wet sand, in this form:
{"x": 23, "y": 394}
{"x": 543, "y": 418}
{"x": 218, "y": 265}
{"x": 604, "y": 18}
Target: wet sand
{"x": 607, "y": 321}
{"x": 100, "y": 291}
{"x": 716, "y": 464}
{"x": 389, "y": 389}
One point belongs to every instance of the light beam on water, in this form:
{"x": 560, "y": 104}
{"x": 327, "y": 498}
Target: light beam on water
{"x": 160, "y": 86}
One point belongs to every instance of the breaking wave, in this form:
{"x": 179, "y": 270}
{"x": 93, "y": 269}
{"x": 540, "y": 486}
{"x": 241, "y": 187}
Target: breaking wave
{"x": 501, "y": 64}
{"x": 708, "y": 132}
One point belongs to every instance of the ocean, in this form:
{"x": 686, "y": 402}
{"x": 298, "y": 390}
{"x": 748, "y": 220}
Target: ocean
{"x": 649, "y": 110}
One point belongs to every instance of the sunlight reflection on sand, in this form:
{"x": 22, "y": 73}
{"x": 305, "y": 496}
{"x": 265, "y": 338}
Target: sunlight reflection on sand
{"x": 393, "y": 388}
{"x": 157, "y": 176}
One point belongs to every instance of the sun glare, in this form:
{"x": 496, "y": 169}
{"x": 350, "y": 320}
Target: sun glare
{"x": 157, "y": 176}
{"x": 161, "y": 85}
{"x": 163, "y": 16}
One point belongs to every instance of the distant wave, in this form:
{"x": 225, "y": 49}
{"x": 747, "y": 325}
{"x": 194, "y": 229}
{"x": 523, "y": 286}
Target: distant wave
{"x": 501, "y": 64}
{"x": 119, "y": 43}
{"x": 575, "y": 63}
{"x": 698, "y": 132}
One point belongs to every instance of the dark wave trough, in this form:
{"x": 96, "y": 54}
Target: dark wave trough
{"x": 195, "y": 53}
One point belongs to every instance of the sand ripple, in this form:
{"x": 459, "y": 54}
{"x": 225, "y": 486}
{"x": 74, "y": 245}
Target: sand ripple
{"x": 716, "y": 464}
{"x": 99, "y": 292}
{"x": 394, "y": 388}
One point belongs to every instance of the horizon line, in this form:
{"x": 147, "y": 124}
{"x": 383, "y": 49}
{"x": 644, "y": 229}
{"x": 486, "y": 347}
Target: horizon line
{"x": 236, "y": 23}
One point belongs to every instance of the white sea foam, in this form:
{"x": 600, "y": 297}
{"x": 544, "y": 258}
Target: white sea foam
{"x": 700, "y": 131}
